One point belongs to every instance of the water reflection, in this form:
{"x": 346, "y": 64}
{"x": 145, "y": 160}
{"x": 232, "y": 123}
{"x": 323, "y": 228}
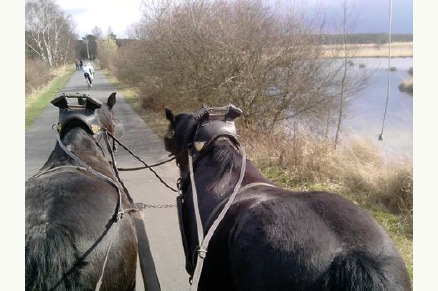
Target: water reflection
{"x": 365, "y": 114}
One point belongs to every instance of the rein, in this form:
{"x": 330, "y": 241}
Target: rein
{"x": 204, "y": 241}
{"x": 146, "y": 166}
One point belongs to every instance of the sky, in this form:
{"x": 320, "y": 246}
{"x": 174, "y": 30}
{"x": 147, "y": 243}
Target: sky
{"x": 115, "y": 14}
{"x": 372, "y": 15}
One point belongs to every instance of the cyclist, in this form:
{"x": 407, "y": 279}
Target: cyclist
{"x": 88, "y": 71}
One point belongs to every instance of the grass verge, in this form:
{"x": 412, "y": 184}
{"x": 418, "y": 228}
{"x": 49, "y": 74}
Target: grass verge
{"x": 38, "y": 101}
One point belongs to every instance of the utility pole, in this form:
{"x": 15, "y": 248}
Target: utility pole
{"x": 86, "y": 43}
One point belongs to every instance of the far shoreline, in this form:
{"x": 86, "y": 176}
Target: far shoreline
{"x": 398, "y": 50}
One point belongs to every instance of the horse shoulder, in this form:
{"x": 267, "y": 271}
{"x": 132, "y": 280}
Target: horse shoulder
{"x": 69, "y": 200}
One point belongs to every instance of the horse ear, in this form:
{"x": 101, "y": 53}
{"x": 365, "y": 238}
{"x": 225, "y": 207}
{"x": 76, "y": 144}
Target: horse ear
{"x": 233, "y": 112}
{"x": 111, "y": 100}
{"x": 169, "y": 115}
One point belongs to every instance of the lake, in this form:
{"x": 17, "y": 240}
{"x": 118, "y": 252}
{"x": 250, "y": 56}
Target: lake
{"x": 365, "y": 114}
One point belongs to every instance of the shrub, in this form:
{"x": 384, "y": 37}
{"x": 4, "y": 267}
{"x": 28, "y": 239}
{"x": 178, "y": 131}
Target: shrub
{"x": 126, "y": 65}
{"x": 37, "y": 74}
{"x": 356, "y": 168}
{"x": 241, "y": 52}
{"x": 407, "y": 86}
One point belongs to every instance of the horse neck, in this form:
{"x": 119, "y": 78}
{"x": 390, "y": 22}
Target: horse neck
{"x": 216, "y": 172}
{"x": 83, "y": 145}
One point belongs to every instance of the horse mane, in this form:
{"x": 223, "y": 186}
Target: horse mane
{"x": 73, "y": 124}
{"x": 225, "y": 156}
{"x": 83, "y": 145}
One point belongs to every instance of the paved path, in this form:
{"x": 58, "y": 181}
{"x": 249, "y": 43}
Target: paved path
{"x": 161, "y": 224}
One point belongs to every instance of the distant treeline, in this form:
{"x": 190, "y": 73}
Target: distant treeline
{"x": 378, "y": 38}
{"x": 362, "y": 38}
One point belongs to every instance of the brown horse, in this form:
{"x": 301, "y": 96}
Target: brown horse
{"x": 269, "y": 238}
{"x": 79, "y": 231}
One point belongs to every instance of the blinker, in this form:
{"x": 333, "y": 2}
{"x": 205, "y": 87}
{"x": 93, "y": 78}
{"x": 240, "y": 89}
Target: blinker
{"x": 214, "y": 122}
{"x": 83, "y": 111}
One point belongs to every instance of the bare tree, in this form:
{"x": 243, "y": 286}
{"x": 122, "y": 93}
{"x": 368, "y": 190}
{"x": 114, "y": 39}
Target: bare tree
{"x": 267, "y": 61}
{"x": 344, "y": 74}
{"x": 49, "y": 33}
{"x": 349, "y": 82}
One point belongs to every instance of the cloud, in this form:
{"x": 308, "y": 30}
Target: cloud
{"x": 372, "y": 15}
{"x": 118, "y": 15}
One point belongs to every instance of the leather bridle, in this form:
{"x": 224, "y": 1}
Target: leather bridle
{"x": 206, "y": 133}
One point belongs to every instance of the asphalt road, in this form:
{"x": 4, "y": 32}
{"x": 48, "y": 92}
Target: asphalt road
{"x": 161, "y": 223}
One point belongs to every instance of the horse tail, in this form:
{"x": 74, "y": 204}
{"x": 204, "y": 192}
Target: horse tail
{"x": 360, "y": 271}
{"x": 49, "y": 262}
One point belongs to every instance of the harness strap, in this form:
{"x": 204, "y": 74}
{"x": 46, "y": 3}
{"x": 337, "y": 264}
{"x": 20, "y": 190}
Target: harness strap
{"x": 255, "y": 184}
{"x": 49, "y": 171}
{"x": 97, "y": 174}
{"x": 114, "y": 165}
{"x": 242, "y": 189}
{"x": 83, "y": 166}
{"x": 199, "y": 227}
{"x": 99, "y": 282}
{"x": 202, "y": 252}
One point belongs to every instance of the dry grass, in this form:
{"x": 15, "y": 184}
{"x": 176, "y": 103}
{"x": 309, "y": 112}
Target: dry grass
{"x": 38, "y": 77}
{"x": 37, "y": 100}
{"x": 398, "y": 49}
{"x": 37, "y": 74}
{"x": 356, "y": 167}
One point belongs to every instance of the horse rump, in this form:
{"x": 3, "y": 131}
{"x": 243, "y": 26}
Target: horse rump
{"x": 47, "y": 255}
{"x": 359, "y": 271}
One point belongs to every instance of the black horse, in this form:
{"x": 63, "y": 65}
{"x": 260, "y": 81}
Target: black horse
{"x": 270, "y": 238}
{"x": 79, "y": 231}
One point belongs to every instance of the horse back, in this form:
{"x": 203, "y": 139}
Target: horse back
{"x": 69, "y": 227}
{"x": 273, "y": 239}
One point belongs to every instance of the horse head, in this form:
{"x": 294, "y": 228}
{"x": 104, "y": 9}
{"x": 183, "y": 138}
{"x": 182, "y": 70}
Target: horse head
{"x": 197, "y": 130}
{"x": 88, "y": 113}
{"x": 180, "y": 133}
